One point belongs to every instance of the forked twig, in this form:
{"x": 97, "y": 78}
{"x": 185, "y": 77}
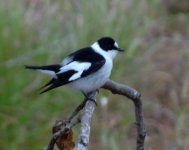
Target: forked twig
{"x": 86, "y": 115}
{"x": 133, "y": 95}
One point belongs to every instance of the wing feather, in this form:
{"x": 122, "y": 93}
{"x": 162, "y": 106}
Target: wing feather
{"x": 77, "y": 65}
{"x": 62, "y": 79}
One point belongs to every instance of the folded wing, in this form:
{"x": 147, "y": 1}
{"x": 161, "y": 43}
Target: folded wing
{"x": 77, "y": 65}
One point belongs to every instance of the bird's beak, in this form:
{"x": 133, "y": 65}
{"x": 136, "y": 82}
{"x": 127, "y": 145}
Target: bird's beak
{"x": 120, "y": 50}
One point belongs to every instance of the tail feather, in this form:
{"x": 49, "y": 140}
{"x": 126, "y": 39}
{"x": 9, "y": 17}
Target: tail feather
{"x": 55, "y": 84}
{"x": 54, "y": 68}
{"x": 61, "y": 80}
{"x": 33, "y": 67}
{"x": 57, "y": 80}
{"x": 48, "y": 83}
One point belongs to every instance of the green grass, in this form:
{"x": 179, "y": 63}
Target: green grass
{"x": 44, "y": 33}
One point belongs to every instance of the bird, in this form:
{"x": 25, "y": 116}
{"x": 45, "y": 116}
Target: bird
{"x": 85, "y": 70}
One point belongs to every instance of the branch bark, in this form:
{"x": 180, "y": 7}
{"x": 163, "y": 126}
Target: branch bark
{"x": 133, "y": 95}
{"x": 85, "y": 116}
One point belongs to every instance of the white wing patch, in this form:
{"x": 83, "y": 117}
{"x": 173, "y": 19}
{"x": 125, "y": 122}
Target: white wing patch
{"x": 75, "y": 76}
{"x": 77, "y": 66}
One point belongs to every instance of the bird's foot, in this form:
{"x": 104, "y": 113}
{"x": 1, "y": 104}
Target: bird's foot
{"x": 88, "y": 97}
{"x": 92, "y": 100}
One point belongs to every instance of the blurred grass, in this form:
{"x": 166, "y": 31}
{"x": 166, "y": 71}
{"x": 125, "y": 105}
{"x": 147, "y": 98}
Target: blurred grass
{"x": 44, "y": 31}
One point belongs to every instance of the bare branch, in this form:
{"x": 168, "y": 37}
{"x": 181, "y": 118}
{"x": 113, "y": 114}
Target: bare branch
{"x": 117, "y": 88}
{"x": 76, "y": 111}
{"x": 86, "y": 117}
{"x": 132, "y": 94}
{"x": 88, "y": 107}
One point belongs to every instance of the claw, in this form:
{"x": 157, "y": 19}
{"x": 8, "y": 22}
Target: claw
{"x": 92, "y": 100}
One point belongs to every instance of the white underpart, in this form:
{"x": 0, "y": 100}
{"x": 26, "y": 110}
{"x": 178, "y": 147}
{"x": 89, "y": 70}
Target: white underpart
{"x": 77, "y": 66}
{"x": 50, "y": 73}
{"x": 95, "y": 80}
{"x": 110, "y": 53}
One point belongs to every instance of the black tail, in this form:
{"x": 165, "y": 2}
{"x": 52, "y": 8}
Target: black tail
{"x": 61, "y": 80}
{"x": 48, "y": 83}
{"x": 51, "y": 85}
{"x": 55, "y": 68}
{"x": 33, "y": 67}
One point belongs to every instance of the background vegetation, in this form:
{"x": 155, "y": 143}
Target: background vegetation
{"x": 155, "y": 35}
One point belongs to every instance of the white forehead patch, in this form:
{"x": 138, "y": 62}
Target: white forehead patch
{"x": 116, "y": 45}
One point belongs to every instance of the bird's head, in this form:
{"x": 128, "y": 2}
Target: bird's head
{"x": 107, "y": 45}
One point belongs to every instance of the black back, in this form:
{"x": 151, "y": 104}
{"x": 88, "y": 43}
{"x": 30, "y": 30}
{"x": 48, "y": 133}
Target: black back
{"x": 86, "y": 55}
